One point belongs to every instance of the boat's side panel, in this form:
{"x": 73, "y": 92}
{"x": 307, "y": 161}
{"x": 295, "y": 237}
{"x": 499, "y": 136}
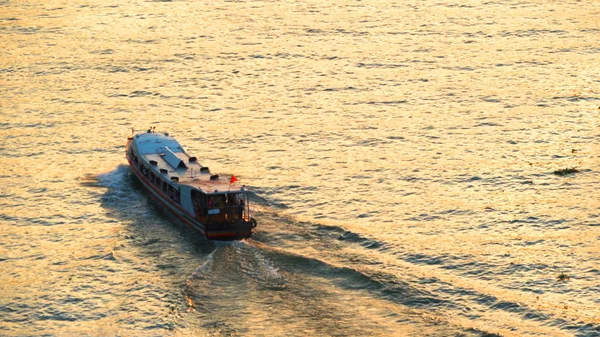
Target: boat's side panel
{"x": 186, "y": 199}
{"x": 165, "y": 201}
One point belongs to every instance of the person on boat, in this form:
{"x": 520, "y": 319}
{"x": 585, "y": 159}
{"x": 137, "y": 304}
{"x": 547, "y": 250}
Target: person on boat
{"x": 241, "y": 209}
{"x": 221, "y": 205}
{"x": 231, "y": 206}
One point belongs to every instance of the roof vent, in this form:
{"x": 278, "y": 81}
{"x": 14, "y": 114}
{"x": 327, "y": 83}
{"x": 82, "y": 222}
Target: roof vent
{"x": 164, "y": 171}
{"x": 204, "y": 169}
{"x": 153, "y": 162}
{"x": 193, "y": 159}
{"x": 214, "y": 177}
{"x": 175, "y": 179}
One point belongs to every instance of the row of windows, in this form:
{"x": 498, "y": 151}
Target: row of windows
{"x": 156, "y": 179}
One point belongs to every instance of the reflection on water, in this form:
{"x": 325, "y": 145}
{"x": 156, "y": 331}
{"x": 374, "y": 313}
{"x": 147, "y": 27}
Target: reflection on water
{"x": 402, "y": 158}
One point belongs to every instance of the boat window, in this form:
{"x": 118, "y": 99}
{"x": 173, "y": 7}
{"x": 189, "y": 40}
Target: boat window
{"x": 200, "y": 203}
{"x": 171, "y": 192}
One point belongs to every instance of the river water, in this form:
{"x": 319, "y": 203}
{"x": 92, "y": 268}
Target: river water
{"x": 401, "y": 157}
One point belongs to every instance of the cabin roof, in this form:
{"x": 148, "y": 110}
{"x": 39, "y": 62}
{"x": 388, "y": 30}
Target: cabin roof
{"x": 154, "y": 142}
{"x": 169, "y": 155}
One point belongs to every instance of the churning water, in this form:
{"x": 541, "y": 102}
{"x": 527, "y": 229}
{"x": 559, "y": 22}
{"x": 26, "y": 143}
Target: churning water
{"x": 401, "y": 155}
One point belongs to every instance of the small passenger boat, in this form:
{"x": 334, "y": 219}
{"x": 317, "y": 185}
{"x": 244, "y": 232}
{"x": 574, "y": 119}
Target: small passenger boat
{"x": 216, "y": 207}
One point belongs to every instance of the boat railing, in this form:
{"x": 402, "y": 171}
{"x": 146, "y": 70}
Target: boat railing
{"x": 228, "y": 213}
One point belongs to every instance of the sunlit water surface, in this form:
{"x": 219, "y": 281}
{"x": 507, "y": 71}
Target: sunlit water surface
{"x": 401, "y": 156}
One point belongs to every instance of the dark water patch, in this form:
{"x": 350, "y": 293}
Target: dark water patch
{"x": 512, "y": 267}
{"x": 165, "y": 266}
{"x": 507, "y": 306}
{"x": 487, "y": 124}
{"x": 289, "y": 55}
{"x": 370, "y": 142}
{"x": 351, "y": 237}
{"x": 339, "y": 89}
{"x": 149, "y": 41}
{"x": 186, "y": 56}
{"x": 459, "y": 68}
{"x": 381, "y": 65}
{"x": 151, "y": 241}
{"x": 300, "y": 188}
{"x": 32, "y": 257}
{"x": 109, "y": 256}
{"x": 425, "y": 259}
{"x": 531, "y": 32}
{"x": 53, "y": 314}
{"x": 116, "y": 69}
{"x": 413, "y": 179}
{"x": 102, "y": 52}
{"x": 351, "y": 32}
{"x": 141, "y": 69}
{"x": 359, "y": 177}
{"x": 142, "y": 93}
{"x": 8, "y": 126}
{"x": 394, "y": 102}
{"x": 11, "y": 69}
{"x": 577, "y": 98}
{"x": 314, "y": 31}
{"x": 472, "y": 269}
{"x": 482, "y": 333}
{"x": 456, "y": 212}
{"x": 566, "y": 171}
{"x": 528, "y": 220}
{"x": 37, "y": 190}
{"x": 49, "y": 220}
{"x": 424, "y": 217}
{"x": 534, "y": 63}
{"x": 24, "y": 30}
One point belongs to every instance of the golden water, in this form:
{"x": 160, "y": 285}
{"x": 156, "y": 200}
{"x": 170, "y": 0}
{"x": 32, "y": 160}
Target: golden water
{"x": 401, "y": 156}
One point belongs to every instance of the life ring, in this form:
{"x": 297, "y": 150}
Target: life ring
{"x": 253, "y": 222}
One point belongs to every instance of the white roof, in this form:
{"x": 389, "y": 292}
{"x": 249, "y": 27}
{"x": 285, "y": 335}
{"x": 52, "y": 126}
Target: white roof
{"x": 169, "y": 155}
{"x": 153, "y": 143}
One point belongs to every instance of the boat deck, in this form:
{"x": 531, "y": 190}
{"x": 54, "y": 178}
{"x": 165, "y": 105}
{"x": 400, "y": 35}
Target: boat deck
{"x": 170, "y": 156}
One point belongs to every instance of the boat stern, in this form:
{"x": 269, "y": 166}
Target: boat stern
{"x": 230, "y": 231}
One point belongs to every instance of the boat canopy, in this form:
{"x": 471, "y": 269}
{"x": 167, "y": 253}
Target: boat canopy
{"x": 172, "y": 159}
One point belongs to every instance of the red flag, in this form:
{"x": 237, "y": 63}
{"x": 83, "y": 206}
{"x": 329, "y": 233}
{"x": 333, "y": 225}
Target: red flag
{"x": 232, "y": 180}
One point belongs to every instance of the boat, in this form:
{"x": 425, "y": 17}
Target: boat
{"x": 217, "y": 207}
